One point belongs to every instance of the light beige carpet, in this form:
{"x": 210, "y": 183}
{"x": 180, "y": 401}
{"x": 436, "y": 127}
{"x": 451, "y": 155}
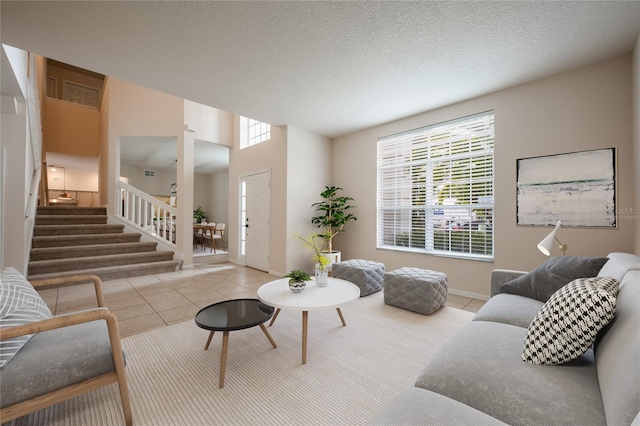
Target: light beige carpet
{"x": 350, "y": 374}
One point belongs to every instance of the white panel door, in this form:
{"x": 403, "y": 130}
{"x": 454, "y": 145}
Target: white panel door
{"x": 257, "y": 220}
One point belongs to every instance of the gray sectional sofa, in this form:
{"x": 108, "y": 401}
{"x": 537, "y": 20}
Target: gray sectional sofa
{"x": 479, "y": 378}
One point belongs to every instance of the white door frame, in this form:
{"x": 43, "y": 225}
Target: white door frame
{"x": 242, "y": 217}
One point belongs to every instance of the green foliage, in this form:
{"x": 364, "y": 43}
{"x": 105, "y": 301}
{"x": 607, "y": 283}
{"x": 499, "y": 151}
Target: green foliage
{"x": 199, "y": 214}
{"x": 298, "y": 276}
{"x": 315, "y": 243}
{"x": 333, "y": 214}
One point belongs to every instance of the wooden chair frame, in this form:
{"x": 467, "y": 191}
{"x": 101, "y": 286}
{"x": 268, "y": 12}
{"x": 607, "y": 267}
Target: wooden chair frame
{"x": 101, "y": 313}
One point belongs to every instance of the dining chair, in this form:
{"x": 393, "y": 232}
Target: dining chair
{"x": 208, "y": 234}
{"x": 219, "y": 234}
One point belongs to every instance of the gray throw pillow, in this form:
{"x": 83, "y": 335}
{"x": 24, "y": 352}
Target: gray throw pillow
{"x": 552, "y": 275}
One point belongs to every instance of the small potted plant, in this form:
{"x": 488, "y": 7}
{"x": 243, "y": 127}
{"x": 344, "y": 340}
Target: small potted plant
{"x": 199, "y": 214}
{"x": 332, "y": 218}
{"x": 297, "y": 280}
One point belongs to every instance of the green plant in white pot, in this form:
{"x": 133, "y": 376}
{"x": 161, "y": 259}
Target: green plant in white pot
{"x": 297, "y": 280}
{"x": 333, "y": 216}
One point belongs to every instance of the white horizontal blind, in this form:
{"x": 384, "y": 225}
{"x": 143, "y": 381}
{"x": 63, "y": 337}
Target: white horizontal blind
{"x": 435, "y": 189}
{"x": 253, "y": 132}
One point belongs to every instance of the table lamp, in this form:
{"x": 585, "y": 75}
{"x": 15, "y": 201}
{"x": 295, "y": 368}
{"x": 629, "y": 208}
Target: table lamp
{"x": 545, "y": 245}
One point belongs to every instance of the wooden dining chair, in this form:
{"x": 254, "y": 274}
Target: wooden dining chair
{"x": 208, "y": 235}
{"x": 219, "y": 234}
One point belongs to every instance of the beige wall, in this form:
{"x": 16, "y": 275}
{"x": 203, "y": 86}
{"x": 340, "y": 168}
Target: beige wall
{"x": 267, "y": 156}
{"x": 160, "y": 185}
{"x": 308, "y": 171}
{"x": 62, "y": 74}
{"x": 217, "y": 209}
{"x": 636, "y": 143}
{"x": 72, "y": 129}
{"x": 209, "y": 124}
{"x": 584, "y": 109}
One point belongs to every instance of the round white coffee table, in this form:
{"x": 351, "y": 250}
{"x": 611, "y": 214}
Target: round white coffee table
{"x": 337, "y": 293}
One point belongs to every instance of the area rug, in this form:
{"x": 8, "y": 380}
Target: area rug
{"x": 350, "y": 374}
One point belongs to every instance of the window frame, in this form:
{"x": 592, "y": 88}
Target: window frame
{"x": 248, "y": 134}
{"x": 433, "y": 196}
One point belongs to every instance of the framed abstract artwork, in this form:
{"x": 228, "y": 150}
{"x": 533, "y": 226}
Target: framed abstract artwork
{"x": 578, "y": 188}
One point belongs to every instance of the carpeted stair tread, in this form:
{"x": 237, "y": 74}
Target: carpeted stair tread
{"x": 118, "y": 271}
{"x": 75, "y": 264}
{"x": 60, "y": 219}
{"x": 42, "y": 230}
{"x": 51, "y": 253}
{"x": 70, "y": 210}
{"x": 84, "y": 239}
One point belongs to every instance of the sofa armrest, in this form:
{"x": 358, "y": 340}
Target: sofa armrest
{"x": 75, "y": 279}
{"x": 501, "y": 276}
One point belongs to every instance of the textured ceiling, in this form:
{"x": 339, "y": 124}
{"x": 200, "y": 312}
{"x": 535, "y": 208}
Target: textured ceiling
{"x": 328, "y": 67}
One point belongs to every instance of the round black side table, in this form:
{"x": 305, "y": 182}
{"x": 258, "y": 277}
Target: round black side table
{"x": 231, "y": 315}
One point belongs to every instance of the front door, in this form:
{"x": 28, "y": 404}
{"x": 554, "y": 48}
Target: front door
{"x": 256, "y": 220}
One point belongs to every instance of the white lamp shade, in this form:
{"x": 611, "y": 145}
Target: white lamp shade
{"x": 545, "y": 245}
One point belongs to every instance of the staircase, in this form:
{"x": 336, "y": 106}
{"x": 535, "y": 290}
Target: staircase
{"x": 70, "y": 240}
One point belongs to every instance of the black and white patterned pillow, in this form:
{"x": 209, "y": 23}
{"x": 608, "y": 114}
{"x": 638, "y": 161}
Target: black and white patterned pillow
{"x": 20, "y": 304}
{"x": 567, "y": 325}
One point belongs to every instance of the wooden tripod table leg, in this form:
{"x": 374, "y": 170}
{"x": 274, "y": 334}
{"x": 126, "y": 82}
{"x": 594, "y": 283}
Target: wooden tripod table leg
{"x": 266, "y": 333}
{"x": 344, "y": 324}
{"x": 223, "y": 360}
{"x": 274, "y": 317}
{"x": 305, "y": 320}
{"x": 209, "y": 340}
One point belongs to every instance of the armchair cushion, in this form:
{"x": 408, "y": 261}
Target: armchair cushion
{"x": 57, "y": 358}
{"x": 20, "y": 304}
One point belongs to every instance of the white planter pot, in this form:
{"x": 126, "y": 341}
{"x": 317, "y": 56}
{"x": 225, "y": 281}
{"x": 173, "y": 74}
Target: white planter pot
{"x": 333, "y": 257}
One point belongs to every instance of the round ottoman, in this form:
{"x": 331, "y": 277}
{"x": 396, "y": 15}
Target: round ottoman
{"x": 418, "y": 290}
{"x": 366, "y": 274}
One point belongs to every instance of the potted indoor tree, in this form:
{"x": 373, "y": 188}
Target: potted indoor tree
{"x": 333, "y": 216}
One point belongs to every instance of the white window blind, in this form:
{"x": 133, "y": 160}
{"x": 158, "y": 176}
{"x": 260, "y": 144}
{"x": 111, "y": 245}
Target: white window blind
{"x": 435, "y": 189}
{"x": 253, "y": 132}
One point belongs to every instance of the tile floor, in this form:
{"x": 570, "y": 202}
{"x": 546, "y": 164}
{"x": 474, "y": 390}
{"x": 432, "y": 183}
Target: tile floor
{"x": 153, "y": 301}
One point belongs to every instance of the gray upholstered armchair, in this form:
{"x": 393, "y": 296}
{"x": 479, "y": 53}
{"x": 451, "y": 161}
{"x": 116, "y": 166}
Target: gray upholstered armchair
{"x": 67, "y": 356}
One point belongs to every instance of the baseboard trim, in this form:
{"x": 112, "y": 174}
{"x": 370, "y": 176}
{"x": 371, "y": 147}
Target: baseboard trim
{"x": 469, "y": 294}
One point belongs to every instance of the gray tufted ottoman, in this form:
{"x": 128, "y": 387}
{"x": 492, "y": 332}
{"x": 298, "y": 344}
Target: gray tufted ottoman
{"x": 418, "y": 290}
{"x": 366, "y": 274}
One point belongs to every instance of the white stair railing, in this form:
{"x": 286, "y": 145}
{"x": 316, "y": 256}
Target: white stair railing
{"x": 147, "y": 213}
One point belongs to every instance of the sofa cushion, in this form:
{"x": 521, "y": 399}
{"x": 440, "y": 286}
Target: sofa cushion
{"x": 617, "y": 353}
{"x": 417, "y": 406}
{"x": 57, "y": 358}
{"x": 509, "y": 309}
{"x": 552, "y": 275}
{"x": 568, "y": 324}
{"x": 481, "y": 367}
{"x": 20, "y": 304}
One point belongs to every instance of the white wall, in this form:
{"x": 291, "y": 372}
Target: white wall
{"x": 584, "y": 109}
{"x": 636, "y": 142}
{"x": 17, "y": 168}
{"x": 308, "y": 172}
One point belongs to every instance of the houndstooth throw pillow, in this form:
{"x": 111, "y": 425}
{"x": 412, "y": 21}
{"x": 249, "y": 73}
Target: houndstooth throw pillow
{"x": 20, "y": 304}
{"x": 567, "y": 325}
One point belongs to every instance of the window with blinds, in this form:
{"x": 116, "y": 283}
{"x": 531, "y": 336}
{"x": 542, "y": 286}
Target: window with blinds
{"x": 435, "y": 189}
{"x": 253, "y": 132}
